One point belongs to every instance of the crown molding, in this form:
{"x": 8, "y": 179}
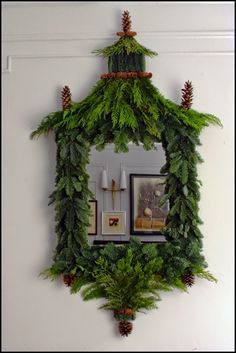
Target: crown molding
{"x": 8, "y": 4}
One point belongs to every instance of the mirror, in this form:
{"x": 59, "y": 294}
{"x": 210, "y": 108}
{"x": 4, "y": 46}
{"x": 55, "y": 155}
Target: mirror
{"x": 136, "y": 161}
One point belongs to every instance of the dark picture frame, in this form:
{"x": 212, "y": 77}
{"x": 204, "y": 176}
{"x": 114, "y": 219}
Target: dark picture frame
{"x": 92, "y": 230}
{"x": 146, "y": 216}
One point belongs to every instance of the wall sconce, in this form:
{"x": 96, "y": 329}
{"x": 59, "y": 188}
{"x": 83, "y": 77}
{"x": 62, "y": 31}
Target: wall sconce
{"x": 113, "y": 189}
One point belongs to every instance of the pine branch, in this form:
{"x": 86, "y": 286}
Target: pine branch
{"x": 125, "y": 45}
{"x": 47, "y": 124}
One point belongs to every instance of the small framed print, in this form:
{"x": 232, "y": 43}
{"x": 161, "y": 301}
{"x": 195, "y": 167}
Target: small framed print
{"x": 92, "y": 230}
{"x": 113, "y": 222}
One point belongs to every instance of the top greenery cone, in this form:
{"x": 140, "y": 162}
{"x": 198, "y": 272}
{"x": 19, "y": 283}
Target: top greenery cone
{"x": 126, "y": 56}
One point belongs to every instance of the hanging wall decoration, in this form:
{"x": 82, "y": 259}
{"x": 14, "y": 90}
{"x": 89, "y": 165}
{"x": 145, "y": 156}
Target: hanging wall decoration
{"x": 124, "y": 106}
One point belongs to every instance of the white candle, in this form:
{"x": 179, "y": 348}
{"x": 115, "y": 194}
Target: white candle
{"x": 123, "y": 185}
{"x": 104, "y": 180}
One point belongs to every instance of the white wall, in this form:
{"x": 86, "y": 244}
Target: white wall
{"x": 48, "y": 45}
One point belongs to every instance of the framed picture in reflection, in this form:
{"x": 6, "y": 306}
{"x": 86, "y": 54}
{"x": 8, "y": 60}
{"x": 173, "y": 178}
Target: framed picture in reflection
{"x": 113, "y": 222}
{"x": 146, "y": 214}
{"x": 92, "y": 230}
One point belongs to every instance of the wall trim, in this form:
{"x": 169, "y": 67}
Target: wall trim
{"x": 10, "y": 58}
{"x": 24, "y": 37}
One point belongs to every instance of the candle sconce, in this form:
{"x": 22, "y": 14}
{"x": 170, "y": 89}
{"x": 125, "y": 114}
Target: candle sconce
{"x": 113, "y": 189}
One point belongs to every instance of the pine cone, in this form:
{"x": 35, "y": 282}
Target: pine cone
{"x": 126, "y": 22}
{"x": 65, "y": 97}
{"x": 68, "y": 279}
{"x": 188, "y": 279}
{"x": 187, "y": 95}
{"x": 127, "y": 34}
{"x": 125, "y": 327}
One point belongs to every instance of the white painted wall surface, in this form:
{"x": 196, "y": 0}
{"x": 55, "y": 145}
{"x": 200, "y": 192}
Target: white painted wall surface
{"x": 48, "y": 45}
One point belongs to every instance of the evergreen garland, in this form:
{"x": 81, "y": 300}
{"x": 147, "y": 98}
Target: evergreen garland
{"x": 119, "y": 111}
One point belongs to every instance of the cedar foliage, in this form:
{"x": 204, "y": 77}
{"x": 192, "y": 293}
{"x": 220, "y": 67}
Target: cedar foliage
{"x": 125, "y": 45}
{"x": 71, "y": 198}
{"x": 127, "y": 281}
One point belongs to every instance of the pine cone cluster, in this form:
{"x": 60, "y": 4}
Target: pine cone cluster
{"x": 125, "y": 327}
{"x": 68, "y": 279}
{"x": 65, "y": 97}
{"x": 124, "y": 74}
{"x": 188, "y": 279}
{"x": 187, "y": 95}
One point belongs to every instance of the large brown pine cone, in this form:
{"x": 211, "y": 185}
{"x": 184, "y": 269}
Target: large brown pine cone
{"x": 126, "y": 22}
{"x": 188, "y": 279}
{"x": 68, "y": 279}
{"x": 125, "y": 327}
{"x": 187, "y": 95}
{"x": 65, "y": 97}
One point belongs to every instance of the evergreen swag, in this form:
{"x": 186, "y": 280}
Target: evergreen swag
{"x": 120, "y": 110}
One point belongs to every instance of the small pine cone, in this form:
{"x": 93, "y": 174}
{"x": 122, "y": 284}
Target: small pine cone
{"x": 145, "y": 74}
{"x": 121, "y": 74}
{"x": 126, "y": 22}
{"x": 65, "y": 97}
{"x": 188, "y": 279}
{"x": 125, "y": 327}
{"x": 187, "y": 95}
{"x": 121, "y": 34}
{"x": 68, "y": 279}
{"x": 141, "y": 74}
{"x": 130, "y": 34}
{"x": 126, "y": 34}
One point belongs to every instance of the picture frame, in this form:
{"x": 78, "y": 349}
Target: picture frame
{"x": 113, "y": 222}
{"x": 146, "y": 216}
{"x": 92, "y": 229}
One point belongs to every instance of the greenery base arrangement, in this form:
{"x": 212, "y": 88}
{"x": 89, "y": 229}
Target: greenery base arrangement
{"x": 124, "y": 107}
